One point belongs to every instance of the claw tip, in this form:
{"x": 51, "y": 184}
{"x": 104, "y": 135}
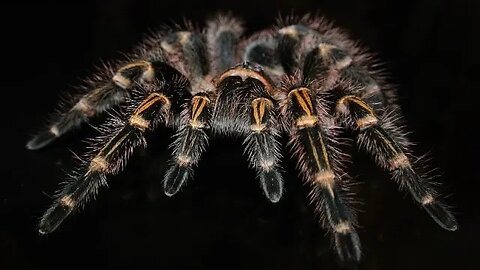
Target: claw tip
{"x": 30, "y": 146}
{"x": 40, "y": 141}
{"x": 169, "y": 193}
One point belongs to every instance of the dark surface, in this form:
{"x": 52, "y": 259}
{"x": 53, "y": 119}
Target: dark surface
{"x": 221, "y": 219}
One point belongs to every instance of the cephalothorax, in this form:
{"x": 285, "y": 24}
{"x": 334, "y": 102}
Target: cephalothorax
{"x": 302, "y": 78}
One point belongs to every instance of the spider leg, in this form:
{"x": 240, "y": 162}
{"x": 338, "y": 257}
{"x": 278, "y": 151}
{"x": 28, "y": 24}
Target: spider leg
{"x": 330, "y": 62}
{"x": 223, "y": 33}
{"x": 328, "y": 58}
{"x": 190, "y": 142}
{"x": 244, "y": 107}
{"x": 312, "y": 143}
{"x": 290, "y": 41}
{"x": 187, "y": 52}
{"x": 262, "y": 148}
{"x": 262, "y": 49}
{"x": 379, "y": 137}
{"x": 338, "y": 68}
{"x": 94, "y": 102}
{"x": 120, "y": 137}
{"x": 191, "y": 138}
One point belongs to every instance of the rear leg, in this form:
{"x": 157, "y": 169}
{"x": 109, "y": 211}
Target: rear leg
{"x": 103, "y": 96}
{"x": 379, "y": 137}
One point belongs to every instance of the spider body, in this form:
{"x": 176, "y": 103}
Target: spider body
{"x": 303, "y": 79}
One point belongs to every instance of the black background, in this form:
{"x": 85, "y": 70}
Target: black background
{"x": 221, "y": 219}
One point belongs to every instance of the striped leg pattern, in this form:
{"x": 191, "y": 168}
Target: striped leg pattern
{"x": 190, "y": 142}
{"x": 121, "y": 136}
{"x": 379, "y": 137}
{"x": 101, "y": 98}
{"x": 318, "y": 161}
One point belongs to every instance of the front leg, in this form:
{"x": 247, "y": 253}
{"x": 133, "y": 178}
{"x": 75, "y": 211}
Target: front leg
{"x": 263, "y": 149}
{"x": 191, "y": 140}
{"x": 245, "y": 106}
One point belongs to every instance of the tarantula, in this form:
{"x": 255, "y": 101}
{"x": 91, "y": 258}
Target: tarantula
{"x": 303, "y": 78}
